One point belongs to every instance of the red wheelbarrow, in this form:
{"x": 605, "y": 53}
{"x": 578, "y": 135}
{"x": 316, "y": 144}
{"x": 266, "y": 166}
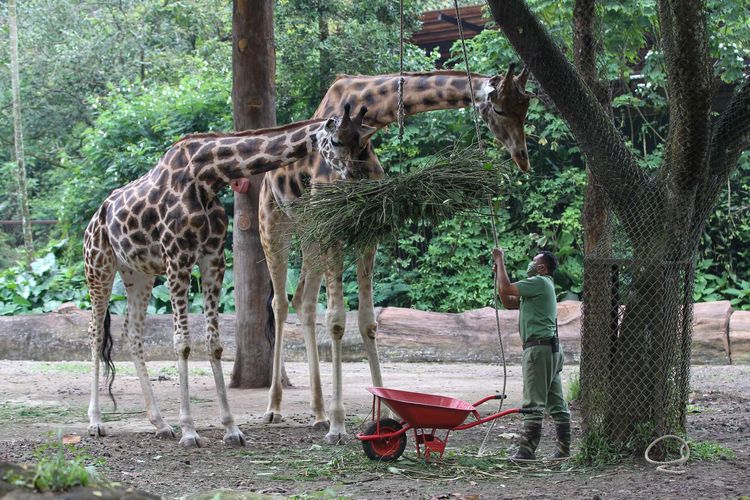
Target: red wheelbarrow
{"x": 385, "y": 438}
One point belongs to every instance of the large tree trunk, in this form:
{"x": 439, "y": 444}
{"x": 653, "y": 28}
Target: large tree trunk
{"x": 660, "y": 215}
{"x": 253, "y": 106}
{"x": 23, "y": 196}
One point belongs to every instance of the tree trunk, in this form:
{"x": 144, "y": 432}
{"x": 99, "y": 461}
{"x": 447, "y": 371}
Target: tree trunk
{"x": 643, "y": 382}
{"x": 253, "y": 106}
{"x": 23, "y": 195}
{"x": 324, "y": 63}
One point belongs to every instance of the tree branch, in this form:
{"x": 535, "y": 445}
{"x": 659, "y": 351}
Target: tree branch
{"x": 730, "y": 138}
{"x": 690, "y": 81}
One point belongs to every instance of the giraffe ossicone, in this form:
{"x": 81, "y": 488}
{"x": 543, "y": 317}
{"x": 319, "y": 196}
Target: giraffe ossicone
{"x": 502, "y": 103}
{"x": 171, "y": 219}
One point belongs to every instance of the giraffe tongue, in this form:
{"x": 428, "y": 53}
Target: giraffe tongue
{"x": 241, "y": 185}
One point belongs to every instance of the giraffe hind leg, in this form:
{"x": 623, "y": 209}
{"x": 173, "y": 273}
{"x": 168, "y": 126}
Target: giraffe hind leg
{"x": 212, "y": 276}
{"x": 178, "y": 279}
{"x": 100, "y": 274}
{"x": 138, "y": 288}
{"x": 276, "y": 248}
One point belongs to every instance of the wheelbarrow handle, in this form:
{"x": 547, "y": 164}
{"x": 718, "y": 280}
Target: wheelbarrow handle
{"x": 488, "y": 398}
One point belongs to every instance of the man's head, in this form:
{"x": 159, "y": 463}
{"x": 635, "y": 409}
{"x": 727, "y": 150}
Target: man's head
{"x": 544, "y": 263}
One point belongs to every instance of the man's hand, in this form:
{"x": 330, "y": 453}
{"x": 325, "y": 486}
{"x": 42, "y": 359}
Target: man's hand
{"x": 498, "y": 254}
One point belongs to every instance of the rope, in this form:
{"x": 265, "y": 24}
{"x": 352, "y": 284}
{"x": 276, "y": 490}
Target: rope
{"x": 401, "y": 76}
{"x": 492, "y": 220}
{"x": 468, "y": 76}
{"x": 662, "y": 466}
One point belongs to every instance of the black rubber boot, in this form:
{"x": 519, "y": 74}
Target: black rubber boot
{"x": 532, "y": 432}
{"x": 563, "y": 442}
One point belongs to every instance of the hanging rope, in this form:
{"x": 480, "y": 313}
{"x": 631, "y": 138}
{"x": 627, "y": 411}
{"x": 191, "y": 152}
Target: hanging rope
{"x": 492, "y": 221}
{"x": 401, "y": 77}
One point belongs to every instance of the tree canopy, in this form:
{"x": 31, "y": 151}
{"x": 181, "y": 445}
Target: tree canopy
{"x": 107, "y": 86}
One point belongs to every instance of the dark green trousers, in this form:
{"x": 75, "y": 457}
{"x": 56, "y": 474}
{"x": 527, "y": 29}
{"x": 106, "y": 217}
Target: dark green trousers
{"x": 542, "y": 387}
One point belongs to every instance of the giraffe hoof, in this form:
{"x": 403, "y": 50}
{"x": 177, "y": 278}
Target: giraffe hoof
{"x": 165, "y": 433}
{"x": 192, "y": 441}
{"x": 335, "y": 438}
{"x": 321, "y": 425}
{"x": 235, "y": 439}
{"x": 97, "y": 430}
{"x": 272, "y": 418}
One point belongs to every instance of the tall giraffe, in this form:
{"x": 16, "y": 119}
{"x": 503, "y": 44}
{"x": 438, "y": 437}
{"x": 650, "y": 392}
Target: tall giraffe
{"x": 502, "y": 104}
{"x": 171, "y": 219}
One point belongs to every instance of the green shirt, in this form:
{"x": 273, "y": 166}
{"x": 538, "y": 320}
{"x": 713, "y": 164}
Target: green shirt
{"x": 537, "y": 318}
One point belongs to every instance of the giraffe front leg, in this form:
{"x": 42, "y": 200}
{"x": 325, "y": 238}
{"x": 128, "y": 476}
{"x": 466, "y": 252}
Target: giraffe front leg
{"x": 308, "y": 315}
{"x": 212, "y": 275}
{"x": 336, "y": 323}
{"x": 368, "y": 326}
{"x": 276, "y": 248}
{"x": 179, "y": 283}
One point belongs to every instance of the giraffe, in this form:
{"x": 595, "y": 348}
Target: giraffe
{"x": 171, "y": 219}
{"x": 502, "y": 103}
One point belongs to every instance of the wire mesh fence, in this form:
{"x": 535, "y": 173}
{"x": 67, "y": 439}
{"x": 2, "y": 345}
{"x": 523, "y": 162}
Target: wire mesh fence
{"x": 635, "y": 349}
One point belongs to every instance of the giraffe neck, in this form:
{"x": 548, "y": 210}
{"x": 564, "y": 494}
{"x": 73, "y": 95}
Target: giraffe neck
{"x": 422, "y": 92}
{"x": 215, "y": 160}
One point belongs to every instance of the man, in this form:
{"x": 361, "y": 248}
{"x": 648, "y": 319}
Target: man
{"x": 542, "y": 358}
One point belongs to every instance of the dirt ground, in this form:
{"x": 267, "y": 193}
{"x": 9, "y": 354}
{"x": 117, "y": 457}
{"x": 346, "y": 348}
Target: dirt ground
{"x": 291, "y": 460}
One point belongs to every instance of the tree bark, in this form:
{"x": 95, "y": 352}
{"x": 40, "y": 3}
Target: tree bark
{"x": 23, "y": 195}
{"x": 253, "y": 106}
{"x": 596, "y": 230}
{"x": 324, "y": 62}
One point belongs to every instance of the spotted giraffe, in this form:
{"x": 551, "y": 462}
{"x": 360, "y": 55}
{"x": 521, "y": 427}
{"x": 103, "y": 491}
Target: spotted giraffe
{"x": 171, "y": 219}
{"x": 502, "y": 103}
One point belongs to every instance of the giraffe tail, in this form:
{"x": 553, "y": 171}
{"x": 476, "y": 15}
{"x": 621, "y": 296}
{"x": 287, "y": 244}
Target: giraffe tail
{"x": 106, "y": 354}
{"x": 271, "y": 324}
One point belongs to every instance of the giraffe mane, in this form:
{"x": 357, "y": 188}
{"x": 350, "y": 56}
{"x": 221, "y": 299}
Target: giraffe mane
{"x": 445, "y": 72}
{"x": 250, "y": 132}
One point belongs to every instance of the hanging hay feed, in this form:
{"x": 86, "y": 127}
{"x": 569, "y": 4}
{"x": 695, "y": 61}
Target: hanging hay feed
{"x": 364, "y": 212}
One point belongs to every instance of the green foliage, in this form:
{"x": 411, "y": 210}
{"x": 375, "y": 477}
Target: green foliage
{"x": 574, "y": 387}
{"x": 132, "y": 130}
{"x": 56, "y": 472}
{"x": 595, "y": 450}
{"x": 44, "y": 287}
{"x": 710, "y": 451}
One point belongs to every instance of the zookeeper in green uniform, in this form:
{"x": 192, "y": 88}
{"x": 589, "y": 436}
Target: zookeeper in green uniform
{"x": 542, "y": 357}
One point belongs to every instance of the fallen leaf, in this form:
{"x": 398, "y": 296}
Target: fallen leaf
{"x": 71, "y": 439}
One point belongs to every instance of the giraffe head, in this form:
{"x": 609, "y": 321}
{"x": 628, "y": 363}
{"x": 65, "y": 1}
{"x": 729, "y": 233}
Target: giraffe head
{"x": 504, "y": 106}
{"x": 343, "y": 140}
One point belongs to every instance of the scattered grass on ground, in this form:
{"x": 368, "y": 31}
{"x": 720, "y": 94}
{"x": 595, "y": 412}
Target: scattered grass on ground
{"x": 29, "y": 413}
{"x": 318, "y": 462}
{"x": 59, "y": 467}
{"x": 574, "y": 387}
{"x": 710, "y": 451}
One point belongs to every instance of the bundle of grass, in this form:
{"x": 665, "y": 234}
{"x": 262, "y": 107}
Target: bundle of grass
{"x": 365, "y": 212}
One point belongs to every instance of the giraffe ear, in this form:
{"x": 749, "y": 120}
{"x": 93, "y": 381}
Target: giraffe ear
{"x": 493, "y": 85}
{"x": 365, "y": 132}
{"x": 523, "y": 77}
{"x": 330, "y": 125}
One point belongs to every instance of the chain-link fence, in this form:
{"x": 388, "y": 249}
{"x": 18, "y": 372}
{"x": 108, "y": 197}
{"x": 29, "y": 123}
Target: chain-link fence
{"x": 635, "y": 349}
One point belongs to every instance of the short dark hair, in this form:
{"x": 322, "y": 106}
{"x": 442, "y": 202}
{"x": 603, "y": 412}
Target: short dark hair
{"x": 549, "y": 260}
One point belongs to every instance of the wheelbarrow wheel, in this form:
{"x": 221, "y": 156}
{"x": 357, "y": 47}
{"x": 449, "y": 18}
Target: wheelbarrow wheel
{"x": 386, "y": 449}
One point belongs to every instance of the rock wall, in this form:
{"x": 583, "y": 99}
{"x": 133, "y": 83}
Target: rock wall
{"x": 720, "y": 335}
